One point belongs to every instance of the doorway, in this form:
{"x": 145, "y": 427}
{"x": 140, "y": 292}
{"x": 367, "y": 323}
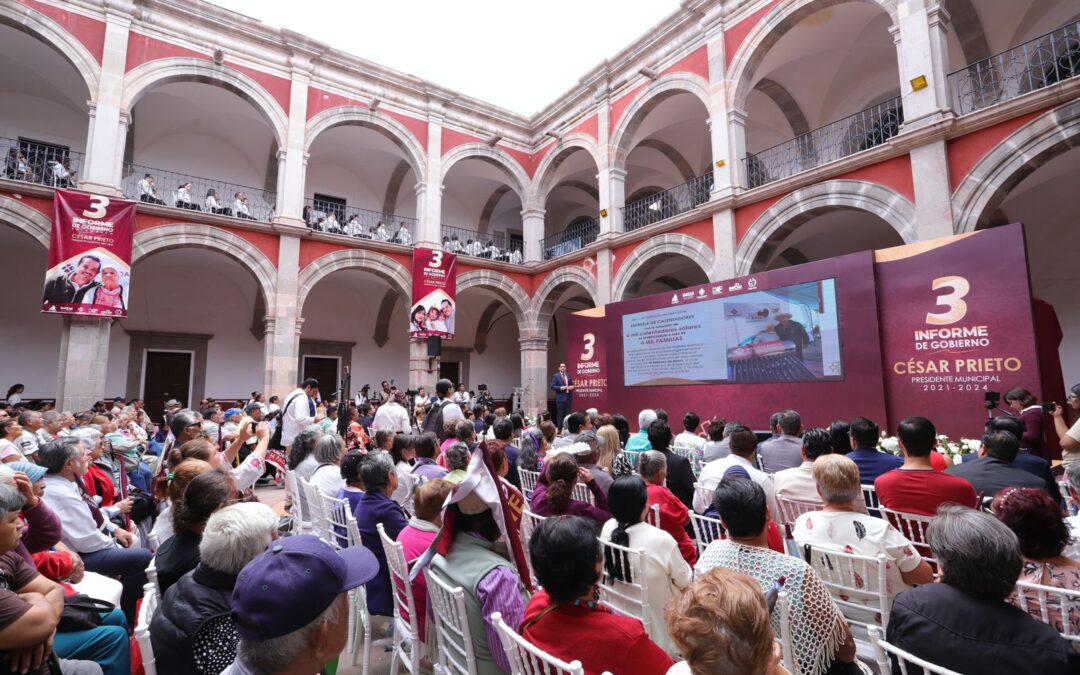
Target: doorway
{"x": 325, "y": 370}
{"x": 450, "y": 370}
{"x": 166, "y": 375}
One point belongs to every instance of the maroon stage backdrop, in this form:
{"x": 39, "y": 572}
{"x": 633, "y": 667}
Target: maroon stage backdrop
{"x": 434, "y": 294}
{"x": 973, "y": 287}
{"x": 89, "y": 255}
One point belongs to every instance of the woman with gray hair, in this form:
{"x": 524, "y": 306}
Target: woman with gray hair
{"x": 326, "y": 477}
{"x": 375, "y": 508}
{"x": 193, "y": 631}
{"x": 965, "y": 623}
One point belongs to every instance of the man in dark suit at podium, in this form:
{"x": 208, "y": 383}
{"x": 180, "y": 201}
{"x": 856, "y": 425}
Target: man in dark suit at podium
{"x": 563, "y": 386}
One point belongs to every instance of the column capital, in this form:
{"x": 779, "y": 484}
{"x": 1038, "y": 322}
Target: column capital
{"x": 737, "y": 116}
{"x": 532, "y": 212}
{"x": 616, "y": 174}
{"x": 532, "y": 343}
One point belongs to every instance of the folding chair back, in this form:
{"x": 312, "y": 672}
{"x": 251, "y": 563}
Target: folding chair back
{"x": 455, "y": 647}
{"x": 151, "y": 574}
{"x": 857, "y": 583}
{"x": 1057, "y": 607}
{"x": 313, "y": 505}
{"x": 336, "y": 516}
{"x": 624, "y": 588}
{"x": 529, "y": 522}
{"x": 142, "y": 628}
{"x": 528, "y": 659}
{"x": 870, "y": 497}
{"x": 407, "y": 640}
{"x": 300, "y": 520}
{"x": 652, "y": 516}
{"x": 528, "y": 482}
{"x": 791, "y": 509}
{"x": 582, "y": 493}
{"x": 706, "y": 530}
{"x": 905, "y": 661}
{"x": 913, "y": 526}
{"x": 783, "y": 614}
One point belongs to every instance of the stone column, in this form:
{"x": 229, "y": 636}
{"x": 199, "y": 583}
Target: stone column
{"x": 281, "y": 346}
{"x": 921, "y": 36}
{"x": 723, "y": 223}
{"x": 615, "y": 180}
{"x": 933, "y": 200}
{"x": 532, "y": 226}
{"x": 429, "y": 191}
{"x": 84, "y": 361}
{"x": 101, "y": 171}
{"x": 610, "y": 182}
{"x": 737, "y": 148}
{"x": 725, "y": 177}
{"x": 604, "y": 259}
{"x": 423, "y": 370}
{"x": 534, "y": 354}
{"x": 292, "y": 164}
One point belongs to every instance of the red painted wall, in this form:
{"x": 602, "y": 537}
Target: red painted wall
{"x": 524, "y": 280}
{"x": 966, "y": 151}
{"x": 320, "y": 101}
{"x": 265, "y": 242}
{"x": 696, "y": 62}
{"x": 746, "y": 215}
{"x": 590, "y": 127}
{"x": 894, "y": 174}
{"x": 311, "y": 250}
{"x": 90, "y": 32}
{"x": 452, "y": 138}
{"x": 734, "y": 36}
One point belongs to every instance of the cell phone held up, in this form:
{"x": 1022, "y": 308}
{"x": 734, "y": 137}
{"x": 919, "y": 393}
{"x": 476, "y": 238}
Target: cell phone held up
{"x": 1049, "y": 407}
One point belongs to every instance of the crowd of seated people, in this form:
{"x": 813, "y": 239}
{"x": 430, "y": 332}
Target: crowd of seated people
{"x": 334, "y": 222}
{"x": 242, "y": 597}
{"x": 39, "y": 164}
{"x": 478, "y": 249}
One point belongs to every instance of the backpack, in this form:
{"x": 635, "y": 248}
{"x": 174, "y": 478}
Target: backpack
{"x": 434, "y": 421}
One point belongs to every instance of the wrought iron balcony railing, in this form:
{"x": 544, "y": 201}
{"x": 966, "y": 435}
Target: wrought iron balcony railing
{"x": 334, "y": 218}
{"x": 663, "y": 205}
{"x": 192, "y": 193}
{"x": 574, "y": 238}
{"x": 1035, "y": 64}
{"x": 836, "y": 140}
{"x": 40, "y": 163}
{"x": 491, "y": 245}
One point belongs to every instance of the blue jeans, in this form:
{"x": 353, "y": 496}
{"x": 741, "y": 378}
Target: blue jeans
{"x": 126, "y": 564}
{"x": 142, "y": 477}
{"x": 106, "y": 645}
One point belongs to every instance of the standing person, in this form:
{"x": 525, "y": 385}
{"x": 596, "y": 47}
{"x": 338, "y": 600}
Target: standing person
{"x": 792, "y": 331}
{"x": 1069, "y": 436}
{"x": 299, "y": 411}
{"x": 392, "y": 415}
{"x": 14, "y": 395}
{"x": 461, "y": 396}
{"x": 1027, "y": 408}
{"x": 443, "y": 412}
{"x": 563, "y": 386}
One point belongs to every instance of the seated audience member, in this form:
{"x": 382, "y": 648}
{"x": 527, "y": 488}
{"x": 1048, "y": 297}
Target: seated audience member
{"x": 823, "y": 643}
{"x": 609, "y": 447}
{"x": 1025, "y": 459}
{"x": 721, "y": 625}
{"x": 842, "y": 526}
{"x": 916, "y": 486}
{"x": 714, "y": 447}
{"x": 503, "y": 431}
{"x": 673, "y": 514}
{"x": 575, "y": 424}
{"x": 205, "y": 494}
{"x": 457, "y": 460}
{"x": 871, "y": 461}
{"x": 798, "y": 482}
{"x": 1036, "y": 521}
{"x": 302, "y": 458}
{"x": 743, "y": 444}
{"x": 104, "y": 547}
{"x": 417, "y": 536}
{"x": 554, "y": 490}
{"x": 426, "y": 467}
{"x": 688, "y": 440}
{"x": 326, "y": 477}
{"x": 964, "y": 622}
{"x": 291, "y": 606}
{"x": 478, "y": 563}
{"x": 192, "y": 631}
{"x": 179, "y": 475}
{"x": 100, "y": 477}
{"x": 784, "y": 450}
{"x": 353, "y": 489}
{"x": 666, "y": 573}
{"x": 533, "y": 448}
{"x": 564, "y": 618}
{"x": 41, "y": 528}
{"x": 403, "y": 451}
{"x": 993, "y": 470}
{"x": 10, "y": 434}
{"x": 377, "y": 507}
{"x": 840, "y": 431}
{"x": 1072, "y": 477}
{"x": 680, "y": 475}
{"x": 30, "y": 609}
{"x": 639, "y": 442}
{"x": 587, "y": 456}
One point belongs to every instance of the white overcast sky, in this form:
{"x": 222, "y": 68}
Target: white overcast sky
{"x": 515, "y": 54}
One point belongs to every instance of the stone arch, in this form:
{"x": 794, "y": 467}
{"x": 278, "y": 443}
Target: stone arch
{"x": 25, "y": 219}
{"x": 382, "y": 266}
{"x": 543, "y": 301}
{"x": 519, "y": 179}
{"x": 669, "y": 243}
{"x": 768, "y": 31}
{"x": 508, "y": 290}
{"x": 635, "y": 113}
{"x": 372, "y": 119}
{"x": 155, "y": 73}
{"x": 24, "y": 18}
{"x": 1012, "y": 160}
{"x": 814, "y": 200}
{"x": 543, "y": 179}
{"x": 187, "y": 235}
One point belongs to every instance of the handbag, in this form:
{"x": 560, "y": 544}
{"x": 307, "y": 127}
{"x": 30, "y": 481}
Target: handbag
{"x": 275, "y": 440}
{"x": 81, "y": 612}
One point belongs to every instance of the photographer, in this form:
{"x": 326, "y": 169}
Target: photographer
{"x": 484, "y": 397}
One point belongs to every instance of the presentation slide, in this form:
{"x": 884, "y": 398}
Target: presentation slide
{"x": 786, "y": 334}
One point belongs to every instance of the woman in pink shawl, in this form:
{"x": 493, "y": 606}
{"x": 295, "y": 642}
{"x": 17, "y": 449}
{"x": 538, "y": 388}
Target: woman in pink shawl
{"x": 110, "y": 293}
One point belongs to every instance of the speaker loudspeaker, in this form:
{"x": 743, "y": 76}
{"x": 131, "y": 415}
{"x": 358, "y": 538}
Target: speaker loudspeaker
{"x": 434, "y": 346}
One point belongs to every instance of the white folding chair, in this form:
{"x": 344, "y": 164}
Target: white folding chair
{"x": 529, "y": 522}
{"x": 873, "y": 504}
{"x": 301, "y": 523}
{"x": 632, "y": 457}
{"x": 1059, "y": 608}
{"x": 706, "y": 530}
{"x": 153, "y": 539}
{"x": 528, "y": 482}
{"x": 336, "y": 516}
{"x": 791, "y": 509}
{"x": 652, "y": 516}
{"x": 783, "y": 614}
{"x": 692, "y": 455}
{"x": 582, "y": 493}
{"x": 454, "y": 639}
{"x": 527, "y": 659}
{"x": 857, "y": 584}
{"x": 151, "y": 574}
{"x": 408, "y": 646}
{"x": 913, "y": 526}
{"x": 703, "y": 494}
{"x": 142, "y": 628}
{"x": 883, "y": 650}
{"x": 313, "y": 505}
{"x": 626, "y": 591}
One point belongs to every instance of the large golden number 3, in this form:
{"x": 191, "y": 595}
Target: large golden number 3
{"x": 436, "y": 259}
{"x": 587, "y": 353}
{"x": 954, "y": 300}
{"x": 98, "y": 204}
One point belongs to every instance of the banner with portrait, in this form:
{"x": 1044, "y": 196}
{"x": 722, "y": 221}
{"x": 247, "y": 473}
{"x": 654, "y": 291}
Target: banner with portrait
{"x": 89, "y": 269}
{"x": 434, "y": 294}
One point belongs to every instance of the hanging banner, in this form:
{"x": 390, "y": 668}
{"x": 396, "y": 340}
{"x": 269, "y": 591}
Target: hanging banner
{"x": 434, "y": 294}
{"x": 587, "y": 359}
{"x": 89, "y": 255}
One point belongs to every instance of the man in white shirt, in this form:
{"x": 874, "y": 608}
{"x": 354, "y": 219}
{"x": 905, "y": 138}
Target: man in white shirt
{"x": 104, "y": 547}
{"x": 798, "y": 483}
{"x": 299, "y": 412}
{"x": 30, "y": 421}
{"x": 451, "y": 412}
{"x": 743, "y": 444}
{"x": 392, "y": 415}
{"x": 461, "y": 396}
{"x": 688, "y": 439}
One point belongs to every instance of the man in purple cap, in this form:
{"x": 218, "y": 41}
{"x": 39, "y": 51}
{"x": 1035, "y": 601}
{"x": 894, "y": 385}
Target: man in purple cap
{"x": 290, "y": 605}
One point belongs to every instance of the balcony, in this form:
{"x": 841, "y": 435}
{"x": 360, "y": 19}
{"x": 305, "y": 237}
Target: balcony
{"x": 496, "y": 246}
{"x": 663, "y": 205}
{"x": 40, "y": 163}
{"x": 1038, "y": 63}
{"x": 574, "y": 238}
{"x": 845, "y": 137}
{"x": 237, "y": 201}
{"x": 336, "y": 218}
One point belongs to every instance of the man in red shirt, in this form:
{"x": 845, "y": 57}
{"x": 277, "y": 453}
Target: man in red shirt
{"x": 917, "y": 487}
{"x": 674, "y": 515}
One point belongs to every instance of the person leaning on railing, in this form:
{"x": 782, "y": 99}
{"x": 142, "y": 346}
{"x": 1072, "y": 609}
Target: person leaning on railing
{"x": 240, "y": 206}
